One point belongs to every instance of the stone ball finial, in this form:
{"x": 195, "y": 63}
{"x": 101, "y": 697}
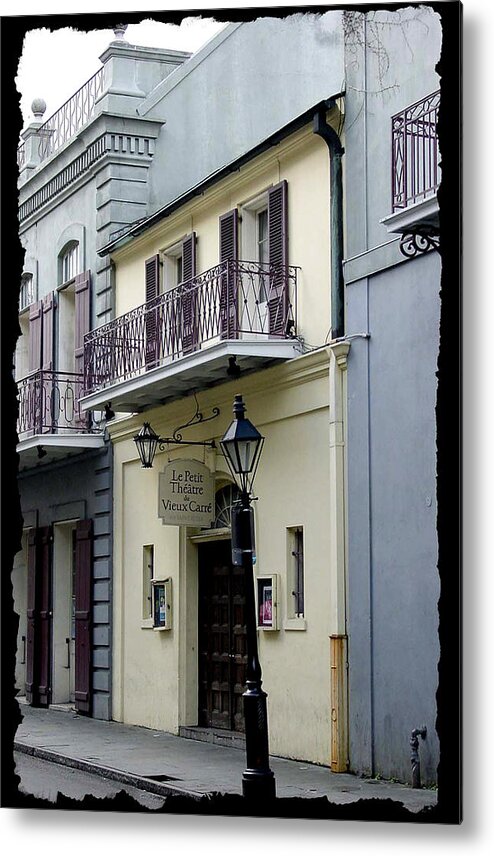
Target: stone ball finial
{"x": 38, "y": 108}
{"x": 119, "y": 30}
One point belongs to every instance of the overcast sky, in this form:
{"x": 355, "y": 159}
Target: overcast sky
{"x": 77, "y": 53}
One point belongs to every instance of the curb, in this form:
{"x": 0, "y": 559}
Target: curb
{"x": 140, "y": 782}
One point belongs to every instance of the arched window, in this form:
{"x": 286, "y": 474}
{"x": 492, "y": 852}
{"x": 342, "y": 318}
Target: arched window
{"x": 225, "y": 497}
{"x": 70, "y": 262}
{"x": 27, "y": 295}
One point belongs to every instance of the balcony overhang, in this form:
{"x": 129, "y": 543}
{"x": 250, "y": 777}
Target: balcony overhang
{"x": 420, "y": 214}
{"x": 54, "y": 447}
{"x": 196, "y": 371}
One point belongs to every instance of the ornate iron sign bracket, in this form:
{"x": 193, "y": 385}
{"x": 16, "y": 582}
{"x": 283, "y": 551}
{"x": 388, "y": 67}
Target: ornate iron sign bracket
{"x": 418, "y": 240}
{"x": 197, "y": 419}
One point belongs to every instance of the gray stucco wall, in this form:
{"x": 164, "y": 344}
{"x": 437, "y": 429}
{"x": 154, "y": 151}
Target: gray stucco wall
{"x": 393, "y": 581}
{"x": 244, "y": 85}
{"x": 396, "y": 70}
{"x": 82, "y": 488}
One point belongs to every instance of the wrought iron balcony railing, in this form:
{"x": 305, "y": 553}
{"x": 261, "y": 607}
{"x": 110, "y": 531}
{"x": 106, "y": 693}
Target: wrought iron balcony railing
{"x": 232, "y": 300}
{"x": 415, "y": 152}
{"x": 49, "y": 404}
{"x": 70, "y": 117}
{"x": 21, "y": 155}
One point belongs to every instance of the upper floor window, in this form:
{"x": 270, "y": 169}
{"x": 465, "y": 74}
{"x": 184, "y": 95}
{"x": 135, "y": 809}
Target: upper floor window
{"x": 27, "y": 294}
{"x": 70, "y": 262}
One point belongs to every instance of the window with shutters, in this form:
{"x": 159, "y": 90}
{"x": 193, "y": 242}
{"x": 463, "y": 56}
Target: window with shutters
{"x": 72, "y": 322}
{"x": 264, "y": 241}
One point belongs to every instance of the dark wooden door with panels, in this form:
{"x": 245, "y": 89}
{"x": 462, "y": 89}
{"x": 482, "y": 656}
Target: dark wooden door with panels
{"x": 222, "y": 638}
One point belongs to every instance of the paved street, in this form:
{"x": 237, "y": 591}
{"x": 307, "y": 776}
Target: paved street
{"x": 44, "y": 780}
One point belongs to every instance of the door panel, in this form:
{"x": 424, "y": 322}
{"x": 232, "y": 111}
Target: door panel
{"x": 83, "y": 624}
{"x": 31, "y": 670}
{"x": 44, "y": 688}
{"x": 38, "y": 643}
{"x": 222, "y": 638}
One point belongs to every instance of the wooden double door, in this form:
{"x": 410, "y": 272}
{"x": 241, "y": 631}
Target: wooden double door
{"x": 222, "y": 638}
{"x": 40, "y": 616}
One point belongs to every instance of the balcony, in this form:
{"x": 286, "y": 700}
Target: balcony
{"x": 415, "y": 170}
{"x": 186, "y": 338}
{"x": 67, "y": 121}
{"x": 50, "y": 418}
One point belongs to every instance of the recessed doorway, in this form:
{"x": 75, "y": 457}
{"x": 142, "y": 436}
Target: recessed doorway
{"x": 222, "y": 638}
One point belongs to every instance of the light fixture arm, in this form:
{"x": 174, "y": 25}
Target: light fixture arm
{"x": 147, "y": 441}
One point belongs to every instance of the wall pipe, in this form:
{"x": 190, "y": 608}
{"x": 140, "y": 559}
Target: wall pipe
{"x": 414, "y": 756}
{"x": 336, "y": 150}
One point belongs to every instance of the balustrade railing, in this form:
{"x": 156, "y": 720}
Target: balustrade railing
{"x": 70, "y": 117}
{"x": 234, "y": 299}
{"x": 49, "y": 404}
{"x": 415, "y": 152}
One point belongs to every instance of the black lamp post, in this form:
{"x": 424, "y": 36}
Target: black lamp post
{"x": 242, "y": 445}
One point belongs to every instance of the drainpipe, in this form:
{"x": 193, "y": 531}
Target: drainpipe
{"x": 414, "y": 757}
{"x": 336, "y": 150}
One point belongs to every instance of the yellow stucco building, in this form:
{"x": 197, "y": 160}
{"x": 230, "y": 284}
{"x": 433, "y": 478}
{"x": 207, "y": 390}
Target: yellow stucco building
{"x": 227, "y": 291}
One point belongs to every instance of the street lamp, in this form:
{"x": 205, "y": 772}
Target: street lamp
{"x": 147, "y": 441}
{"x": 242, "y": 445}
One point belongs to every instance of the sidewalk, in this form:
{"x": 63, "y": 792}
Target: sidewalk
{"x": 165, "y": 764}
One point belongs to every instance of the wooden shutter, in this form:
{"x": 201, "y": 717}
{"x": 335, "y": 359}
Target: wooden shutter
{"x": 48, "y": 309}
{"x": 39, "y": 616}
{"x": 83, "y": 623}
{"x": 31, "y": 641}
{"x": 82, "y": 326}
{"x": 189, "y": 297}
{"x": 152, "y": 269}
{"x": 82, "y": 317}
{"x": 228, "y": 290}
{"x": 35, "y": 322}
{"x": 45, "y": 615}
{"x": 278, "y": 257}
{"x": 49, "y": 401}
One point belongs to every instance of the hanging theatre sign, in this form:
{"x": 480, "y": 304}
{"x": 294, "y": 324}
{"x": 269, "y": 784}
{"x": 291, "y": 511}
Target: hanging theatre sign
{"x": 186, "y": 494}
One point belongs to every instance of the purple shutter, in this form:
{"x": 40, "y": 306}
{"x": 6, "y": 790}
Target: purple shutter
{"x": 278, "y": 257}
{"x": 189, "y": 296}
{"x": 45, "y": 615}
{"x": 48, "y": 309}
{"x": 228, "y": 291}
{"x": 82, "y": 326}
{"x": 49, "y": 408}
{"x": 82, "y": 317}
{"x": 83, "y": 605}
{"x": 31, "y": 646}
{"x": 38, "y": 647}
{"x": 35, "y": 322}
{"x": 152, "y": 268}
